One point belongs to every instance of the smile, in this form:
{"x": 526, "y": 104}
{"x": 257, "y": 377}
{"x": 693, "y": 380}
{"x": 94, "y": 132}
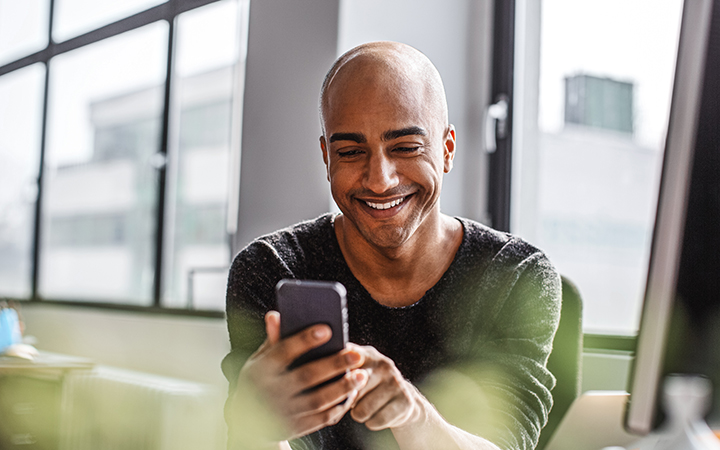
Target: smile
{"x": 389, "y": 205}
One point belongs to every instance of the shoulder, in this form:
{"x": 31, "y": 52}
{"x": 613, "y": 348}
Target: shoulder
{"x": 292, "y": 252}
{"x": 480, "y": 240}
{"x": 288, "y": 246}
{"x": 506, "y": 259}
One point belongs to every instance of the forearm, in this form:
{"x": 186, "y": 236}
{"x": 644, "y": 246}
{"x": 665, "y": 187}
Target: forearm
{"x": 427, "y": 429}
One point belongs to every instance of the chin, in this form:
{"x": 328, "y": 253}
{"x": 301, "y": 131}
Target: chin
{"x": 388, "y": 235}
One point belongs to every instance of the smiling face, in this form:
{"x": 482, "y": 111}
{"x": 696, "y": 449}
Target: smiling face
{"x": 386, "y": 145}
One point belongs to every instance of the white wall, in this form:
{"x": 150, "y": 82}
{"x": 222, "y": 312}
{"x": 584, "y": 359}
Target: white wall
{"x": 292, "y": 43}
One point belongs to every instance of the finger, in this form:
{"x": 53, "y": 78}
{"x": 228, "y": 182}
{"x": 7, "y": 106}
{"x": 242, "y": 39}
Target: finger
{"x": 325, "y": 397}
{"x": 327, "y": 368}
{"x": 290, "y": 348}
{"x": 372, "y": 402}
{"x": 393, "y": 413}
{"x": 272, "y": 326}
{"x": 311, "y": 423}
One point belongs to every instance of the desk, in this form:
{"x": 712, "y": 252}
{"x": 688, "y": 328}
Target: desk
{"x": 31, "y": 399}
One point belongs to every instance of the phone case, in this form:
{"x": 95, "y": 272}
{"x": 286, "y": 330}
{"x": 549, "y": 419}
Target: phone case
{"x": 303, "y": 303}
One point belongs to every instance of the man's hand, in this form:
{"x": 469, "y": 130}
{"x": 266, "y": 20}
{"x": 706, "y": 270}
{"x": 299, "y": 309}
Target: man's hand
{"x": 267, "y": 388}
{"x": 387, "y": 400}
{"x": 390, "y": 401}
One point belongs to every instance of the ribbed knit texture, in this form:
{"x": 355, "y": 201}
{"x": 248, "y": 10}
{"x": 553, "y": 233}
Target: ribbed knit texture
{"x": 476, "y": 343}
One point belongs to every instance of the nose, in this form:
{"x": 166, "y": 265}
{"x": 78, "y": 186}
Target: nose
{"x": 380, "y": 173}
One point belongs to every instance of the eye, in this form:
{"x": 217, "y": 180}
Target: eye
{"x": 349, "y": 153}
{"x": 407, "y": 149}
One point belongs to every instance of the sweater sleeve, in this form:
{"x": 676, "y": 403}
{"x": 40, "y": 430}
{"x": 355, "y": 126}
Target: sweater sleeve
{"x": 500, "y": 390}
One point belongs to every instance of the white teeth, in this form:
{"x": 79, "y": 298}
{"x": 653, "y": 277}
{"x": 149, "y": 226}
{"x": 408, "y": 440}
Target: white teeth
{"x": 385, "y": 205}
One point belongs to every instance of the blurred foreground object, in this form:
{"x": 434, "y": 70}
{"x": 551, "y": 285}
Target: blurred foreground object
{"x": 686, "y": 399}
{"x": 11, "y": 334}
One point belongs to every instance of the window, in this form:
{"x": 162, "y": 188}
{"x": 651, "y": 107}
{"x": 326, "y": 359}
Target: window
{"x": 131, "y": 182}
{"x": 21, "y": 94}
{"x": 593, "y": 83}
{"x": 23, "y": 28}
{"x": 104, "y": 124}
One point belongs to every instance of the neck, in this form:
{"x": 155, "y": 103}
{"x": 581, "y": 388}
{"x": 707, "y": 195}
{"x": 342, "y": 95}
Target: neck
{"x": 400, "y": 276}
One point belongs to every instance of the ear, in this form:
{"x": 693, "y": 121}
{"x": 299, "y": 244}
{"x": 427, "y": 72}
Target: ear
{"x": 323, "y": 147}
{"x": 449, "y": 150}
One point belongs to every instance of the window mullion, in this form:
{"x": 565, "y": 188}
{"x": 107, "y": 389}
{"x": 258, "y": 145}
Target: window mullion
{"x": 37, "y": 232}
{"x": 502, "y": 88}
{"x": 162, "y": 169}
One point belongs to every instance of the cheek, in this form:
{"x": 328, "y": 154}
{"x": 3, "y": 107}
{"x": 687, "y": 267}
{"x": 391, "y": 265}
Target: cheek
{"x": 341, "y": 179}
{"x": 427, "y": 173}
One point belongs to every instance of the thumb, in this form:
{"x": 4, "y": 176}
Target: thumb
{"x": 272, "y": 326}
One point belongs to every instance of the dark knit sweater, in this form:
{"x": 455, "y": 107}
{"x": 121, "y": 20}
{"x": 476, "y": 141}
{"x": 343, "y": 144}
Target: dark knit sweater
{"x": 478, "y": 340}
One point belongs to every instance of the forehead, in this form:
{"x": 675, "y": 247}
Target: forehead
{"x": 377, "y": 106}
{"x": 381, "y": 94}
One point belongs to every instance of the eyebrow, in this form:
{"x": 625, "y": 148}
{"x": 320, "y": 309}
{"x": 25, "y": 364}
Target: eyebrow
{"x": 409, "y": 131}
{"x": 387, "y": 136}
{"x": 355, "y": 137}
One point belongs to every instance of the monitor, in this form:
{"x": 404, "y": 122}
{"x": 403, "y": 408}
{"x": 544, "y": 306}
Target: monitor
{"x": 680, "y": 325}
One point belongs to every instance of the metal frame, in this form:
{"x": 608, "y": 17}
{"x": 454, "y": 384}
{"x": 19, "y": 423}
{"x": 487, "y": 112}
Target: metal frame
{"x": 502, "y": 89}
{"x": 167, "y": 11}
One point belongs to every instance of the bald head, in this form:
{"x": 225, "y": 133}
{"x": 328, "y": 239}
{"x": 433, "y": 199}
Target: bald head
{"x": 389, "y": 67}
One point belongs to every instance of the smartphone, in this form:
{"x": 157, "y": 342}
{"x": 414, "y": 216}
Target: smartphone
{"x": 303, "y": 303}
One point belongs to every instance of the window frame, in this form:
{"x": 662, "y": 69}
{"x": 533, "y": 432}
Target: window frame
{"x": 168, "y": 12}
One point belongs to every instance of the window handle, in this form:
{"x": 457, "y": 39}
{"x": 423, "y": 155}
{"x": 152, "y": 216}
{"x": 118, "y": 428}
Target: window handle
{"x": 496, "y": 123}
{"x": 158, "y": 160}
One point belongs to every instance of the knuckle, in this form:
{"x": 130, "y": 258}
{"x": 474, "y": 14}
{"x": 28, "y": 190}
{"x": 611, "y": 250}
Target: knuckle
{"x": 359, "y": 413}
{"x": 321, "y": 400}
{"x": 326, "y": 416}
{"x": 302, "y": 375}
{"x": 357, "y": 416}
{"x": 377, "y": 423}
{"x": 315, "y": 402}
{"x": 335, "y": 419}
{"x": 386, "y": 365}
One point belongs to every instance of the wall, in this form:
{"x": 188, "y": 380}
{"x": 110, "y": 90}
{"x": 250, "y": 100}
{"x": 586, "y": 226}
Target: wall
{"x": 282, "y": 181}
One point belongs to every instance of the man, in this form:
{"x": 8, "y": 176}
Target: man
{"x": 437, "y": 305}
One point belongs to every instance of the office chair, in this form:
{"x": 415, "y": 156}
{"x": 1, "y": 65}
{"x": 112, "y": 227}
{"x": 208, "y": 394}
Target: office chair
{"x": 565, "y": 360}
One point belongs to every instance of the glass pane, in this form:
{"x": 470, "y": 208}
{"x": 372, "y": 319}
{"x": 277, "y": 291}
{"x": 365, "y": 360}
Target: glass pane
{"x": 99, "y": 208}
{"x": 75, "y": 17}
{"x": 21, "y": 97}
{"x": 197, "y": 244}
{"x": 23, "y": 28}
{"x": 589, "y": 144}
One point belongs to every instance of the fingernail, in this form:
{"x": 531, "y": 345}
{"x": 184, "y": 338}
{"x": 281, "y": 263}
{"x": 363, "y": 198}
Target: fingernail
{"x": 352, "y": 358}
{"x": 320, "y": 332}
{"x": 359, "y": 378}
